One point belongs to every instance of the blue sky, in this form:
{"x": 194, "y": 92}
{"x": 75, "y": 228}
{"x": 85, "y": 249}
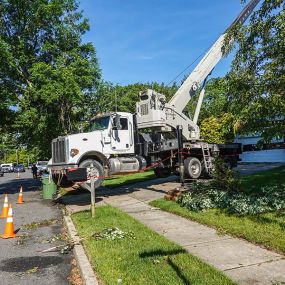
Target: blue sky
{"x": 154, "y": 40}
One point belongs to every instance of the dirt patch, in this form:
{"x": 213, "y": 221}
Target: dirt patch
{"x": 44, "y": 223}
{"x": 75, "y": 277}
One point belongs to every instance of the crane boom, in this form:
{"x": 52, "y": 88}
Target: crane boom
{"x": 153, "y": 112}
{"x": 184, "y": 94}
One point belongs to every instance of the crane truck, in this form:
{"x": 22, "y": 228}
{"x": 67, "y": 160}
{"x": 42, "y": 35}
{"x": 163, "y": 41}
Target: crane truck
{"x": 159, "y": 134}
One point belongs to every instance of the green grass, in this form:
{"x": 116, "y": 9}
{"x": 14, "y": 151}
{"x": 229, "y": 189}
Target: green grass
{"x": 120, "y": 180}
{"x": 267, "y": 229}
{"x": 143, "y": 258}
{"x": 252, "y": 183}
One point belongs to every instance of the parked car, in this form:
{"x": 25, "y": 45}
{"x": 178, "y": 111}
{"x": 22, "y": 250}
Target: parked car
{"x": 42, "y": 167}
{"x": 7, "y": 167}
{"x": 19, "y": 168}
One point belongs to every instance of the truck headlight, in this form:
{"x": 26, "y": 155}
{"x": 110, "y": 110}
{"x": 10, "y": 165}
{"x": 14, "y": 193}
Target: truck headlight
{"x": 74, "y": 152}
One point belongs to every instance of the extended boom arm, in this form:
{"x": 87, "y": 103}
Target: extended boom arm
{"x": 206, "y": 65}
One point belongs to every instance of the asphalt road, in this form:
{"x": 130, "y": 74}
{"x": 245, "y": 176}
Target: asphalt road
{"x": 21, "y": 261}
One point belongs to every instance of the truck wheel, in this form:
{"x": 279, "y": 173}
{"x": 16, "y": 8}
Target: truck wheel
{"x": 162, "y": 172}
{"x": 192, "y": 167}
{"x": 99, "y": 173}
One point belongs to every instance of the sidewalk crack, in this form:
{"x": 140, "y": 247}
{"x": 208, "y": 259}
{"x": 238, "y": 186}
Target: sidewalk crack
{"x": 254, "y": 264}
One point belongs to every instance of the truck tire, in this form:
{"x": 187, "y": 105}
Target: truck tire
{"x": 162, "y": 172}
{"x": 99, "y": 171}
{"x": 192, "y": 167}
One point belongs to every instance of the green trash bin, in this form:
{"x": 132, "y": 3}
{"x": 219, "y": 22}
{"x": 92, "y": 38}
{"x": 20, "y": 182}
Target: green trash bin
{"x": 49, "y": 188}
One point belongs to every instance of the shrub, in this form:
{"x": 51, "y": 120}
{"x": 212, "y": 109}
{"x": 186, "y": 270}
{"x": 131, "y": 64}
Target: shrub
{"x": 224, "y": 178}
{"x": 270, "y": 198}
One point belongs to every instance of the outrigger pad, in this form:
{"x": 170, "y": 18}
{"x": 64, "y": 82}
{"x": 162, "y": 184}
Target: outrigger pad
{"x": 78, "y": 174}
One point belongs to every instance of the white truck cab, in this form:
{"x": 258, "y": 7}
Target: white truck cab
{"x": 108, "y": 144}
{"x": 108, "y": 134}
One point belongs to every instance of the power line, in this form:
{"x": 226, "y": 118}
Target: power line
{"x": 188, "y": 66}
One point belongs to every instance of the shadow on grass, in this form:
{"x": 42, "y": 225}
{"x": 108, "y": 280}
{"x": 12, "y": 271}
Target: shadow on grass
{"x": 160, "y": 252}
{"x": 114, "y": 182}
{"x": 252, "y": 183}
{"x": 178, "y": 272}
{"x": 167, "y": 254}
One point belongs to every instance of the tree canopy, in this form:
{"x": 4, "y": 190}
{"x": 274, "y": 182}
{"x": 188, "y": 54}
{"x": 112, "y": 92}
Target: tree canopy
{"x": 257, "y": 77}
{"x": 46, "y": 71}
{"x": 110, "y": 97}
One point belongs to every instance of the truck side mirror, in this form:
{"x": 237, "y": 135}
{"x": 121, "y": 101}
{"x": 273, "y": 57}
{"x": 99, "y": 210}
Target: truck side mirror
{"x": 117, "y": 124}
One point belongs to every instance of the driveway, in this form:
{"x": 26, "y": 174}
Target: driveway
{"x": 39, "y": 225}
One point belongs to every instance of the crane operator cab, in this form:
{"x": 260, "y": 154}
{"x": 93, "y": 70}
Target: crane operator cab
{"x": 151, "y": 110}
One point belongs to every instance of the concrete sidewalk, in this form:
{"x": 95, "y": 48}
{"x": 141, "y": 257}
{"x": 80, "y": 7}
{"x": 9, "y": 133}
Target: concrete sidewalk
{"x": 242, "y": 261}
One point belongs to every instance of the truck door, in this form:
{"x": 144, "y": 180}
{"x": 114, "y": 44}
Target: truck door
{"x": 121, "y": 136}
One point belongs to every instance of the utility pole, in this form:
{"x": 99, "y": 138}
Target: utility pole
{"x": 17, "y": 158}
{"x": 179, "y": 130}
{"x": 116, "y": 103}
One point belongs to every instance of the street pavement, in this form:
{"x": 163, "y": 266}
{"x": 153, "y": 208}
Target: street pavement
{"x": 21, "y": 261}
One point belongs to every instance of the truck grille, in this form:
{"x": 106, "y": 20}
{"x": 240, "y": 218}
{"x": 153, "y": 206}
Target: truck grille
{"x": 58, "y": 150}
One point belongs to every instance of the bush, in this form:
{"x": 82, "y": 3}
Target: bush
{"x": 224, "y": 178}
{"x": 270, "y": 198}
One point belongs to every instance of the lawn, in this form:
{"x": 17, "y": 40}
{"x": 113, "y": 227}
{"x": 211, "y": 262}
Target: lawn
{"x": 252, "y": 183}
{"x": 267, "y": 229}
{"x": 142, "y": 256}
{"x": 120, "y": 180}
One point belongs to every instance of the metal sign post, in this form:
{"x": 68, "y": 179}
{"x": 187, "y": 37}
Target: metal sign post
{"x": 92, "y": 182}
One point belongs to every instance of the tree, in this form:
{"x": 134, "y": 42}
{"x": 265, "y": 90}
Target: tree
{"x": 45, "y": 68}
{"x": 111, "y": 97}
{"x": 216, "y": 122}
{"x": 215, "y": 102}
{"x": 257, "y": 76}
{"x": 218, "y": 129}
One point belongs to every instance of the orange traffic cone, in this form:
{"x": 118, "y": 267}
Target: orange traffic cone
{"x": 20, "y": 197}
{"x": 9, "y": 230}
{"x": 5, "y": 208}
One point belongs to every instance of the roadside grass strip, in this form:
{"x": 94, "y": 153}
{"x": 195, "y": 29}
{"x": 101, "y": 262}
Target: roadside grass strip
{"x": 116, "y": 181}
{"x": 265, "y": 229}
{"x": 124, "y": 251}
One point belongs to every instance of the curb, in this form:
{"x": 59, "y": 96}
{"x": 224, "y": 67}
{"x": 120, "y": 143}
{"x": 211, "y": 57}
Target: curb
{"x": 86, "y": 271}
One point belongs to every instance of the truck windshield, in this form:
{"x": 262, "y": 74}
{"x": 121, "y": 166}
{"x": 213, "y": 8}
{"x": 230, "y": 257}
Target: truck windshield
{"x": 99, "y": 124}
